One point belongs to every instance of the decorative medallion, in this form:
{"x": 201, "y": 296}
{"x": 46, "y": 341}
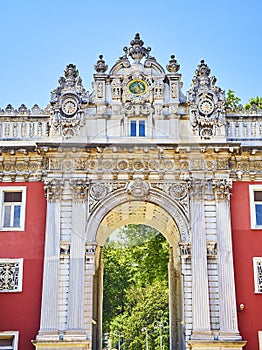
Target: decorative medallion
{"x": 137, "y": 87}
{"x": 98, "y": 191}
{"x": 69, "y": 106}
{"x": 178, "y": 191}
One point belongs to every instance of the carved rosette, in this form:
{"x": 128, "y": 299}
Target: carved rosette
{"x": 222, "y": 188}
{"x": 206, "y": 102}
{"x": 79, "y": 189}
{"x": 53, "y": 189}
{"x": 179, "y": 190}
{"x": 67, "y": 104}
{"x": 138, "y": 188}
{"x": 98, "y": 190}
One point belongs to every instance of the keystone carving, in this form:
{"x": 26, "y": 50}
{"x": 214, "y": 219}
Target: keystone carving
{"x": 138, "y": 188}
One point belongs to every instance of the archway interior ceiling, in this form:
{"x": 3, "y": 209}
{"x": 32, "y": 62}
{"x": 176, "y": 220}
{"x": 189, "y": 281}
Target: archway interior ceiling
{"x": 139, "y": 212}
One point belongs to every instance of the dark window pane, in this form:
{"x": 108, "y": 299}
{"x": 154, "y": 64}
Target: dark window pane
{"x": 258, "y": 214}
{"x": 6, "y": 342}
{"x": 133, "y": 128}
{"x": 12, "y": 196}
{"x": 141, "y": 128}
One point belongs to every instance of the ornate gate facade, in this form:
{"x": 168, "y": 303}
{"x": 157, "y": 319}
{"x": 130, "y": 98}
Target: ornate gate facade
{"x": 135, "y": 150}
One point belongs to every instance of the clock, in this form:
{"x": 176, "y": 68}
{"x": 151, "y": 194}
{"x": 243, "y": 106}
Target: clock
{"x": 69, "y": 106}
{"x": 206, "y": 106}
{"x": 137, "y": 87}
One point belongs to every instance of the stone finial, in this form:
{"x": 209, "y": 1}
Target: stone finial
{"x": 172, "y": 65}
{"x": 100, "y": 66}
{"x": 137, "y": 51}
{"x": 71, "y": 73}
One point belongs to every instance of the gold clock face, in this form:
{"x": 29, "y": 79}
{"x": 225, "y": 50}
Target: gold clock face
{"x": 69, "y": 106}
{"x": 137, "y": 87}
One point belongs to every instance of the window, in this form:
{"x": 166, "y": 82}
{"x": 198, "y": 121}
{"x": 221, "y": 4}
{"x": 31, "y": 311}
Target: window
{"x": 260, "y": 339}
{"x": 13, "y": 208}
{"x": 137, "y": 128}
{"x": 257, "y": 265}
{"x": 11, "y": 275}
{"x": 255, "y": 193}
{"x": 9, "y": 340}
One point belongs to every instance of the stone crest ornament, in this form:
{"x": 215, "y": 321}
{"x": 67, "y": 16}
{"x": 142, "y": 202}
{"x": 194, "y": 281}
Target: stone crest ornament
{"x": 138, "y": 188}
{"x": 67, "y": 103}
{"x": 206, "y": 102}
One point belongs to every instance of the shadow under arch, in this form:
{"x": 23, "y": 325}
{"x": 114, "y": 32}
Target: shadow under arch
{"x": 159, "y": 210}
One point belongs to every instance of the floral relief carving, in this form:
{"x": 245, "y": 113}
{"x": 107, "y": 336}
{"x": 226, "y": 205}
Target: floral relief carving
{"x": 138, "y": 188}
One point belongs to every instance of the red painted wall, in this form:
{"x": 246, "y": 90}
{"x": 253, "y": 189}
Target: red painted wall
{"x": 21, "y": 311}
{"x": 247, "y": 243}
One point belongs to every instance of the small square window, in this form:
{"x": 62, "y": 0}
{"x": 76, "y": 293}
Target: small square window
{"x": 11, "y": 275}
{"x": 13, "y": 208}
{"x": 255, "y": 193}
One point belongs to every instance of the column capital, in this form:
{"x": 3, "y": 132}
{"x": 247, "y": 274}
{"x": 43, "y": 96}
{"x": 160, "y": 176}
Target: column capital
{"x": 222, "y": 188}
{"x": 53, "y": 189}
{"x": 79, "y": 189}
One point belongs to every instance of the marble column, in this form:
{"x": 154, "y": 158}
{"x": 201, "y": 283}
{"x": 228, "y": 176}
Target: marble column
{"x": 227, "y": 307}
{"x": 75, "y": 315}
{"x": 200, "y": 295}
{"x": 49, "y": 309}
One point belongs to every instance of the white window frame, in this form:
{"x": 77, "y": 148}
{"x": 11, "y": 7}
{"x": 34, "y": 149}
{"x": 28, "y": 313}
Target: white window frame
{"x": 137, "y": 120}
{"x": 10, "y": 335}
{"x": 19, "y": 288}
{"x": 5, "y": 189}
{"x": 256, "y": 260}
{"x": 252, "y": 189}
{"x": 260, "y": 340}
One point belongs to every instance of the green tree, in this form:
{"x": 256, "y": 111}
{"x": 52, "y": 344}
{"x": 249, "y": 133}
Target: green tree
{"x": 146, "y": 308}
{"x": 232, "y": 101}
{"x": 135, "y": 284}
{"x": 254, "y": 102}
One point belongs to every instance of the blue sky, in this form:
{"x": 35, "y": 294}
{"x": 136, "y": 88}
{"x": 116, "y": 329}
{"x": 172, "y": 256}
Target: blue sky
{"x": 40, "y": 37}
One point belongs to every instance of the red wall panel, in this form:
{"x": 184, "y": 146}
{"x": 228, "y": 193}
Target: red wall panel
{"x": 21, "y": 311}
{"x": 247, "y": 243}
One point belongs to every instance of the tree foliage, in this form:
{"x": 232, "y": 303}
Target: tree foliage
{"x": 232, "y": 101}
{"x": 254, "y": 102}
{"x": 135, "y": 287}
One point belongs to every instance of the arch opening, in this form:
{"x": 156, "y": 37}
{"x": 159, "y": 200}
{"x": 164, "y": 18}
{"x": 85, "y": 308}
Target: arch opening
{"x": 151, "y": 214}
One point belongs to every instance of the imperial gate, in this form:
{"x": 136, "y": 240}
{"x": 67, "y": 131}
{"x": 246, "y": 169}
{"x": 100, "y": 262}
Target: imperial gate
{"x": 134, "y": 150}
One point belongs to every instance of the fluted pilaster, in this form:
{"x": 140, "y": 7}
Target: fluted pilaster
{"x": 75, "y": 317}
{"x": 228, "y": 313}
{"x": 200, "y": 296}
{"x": 49, "y": 308}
